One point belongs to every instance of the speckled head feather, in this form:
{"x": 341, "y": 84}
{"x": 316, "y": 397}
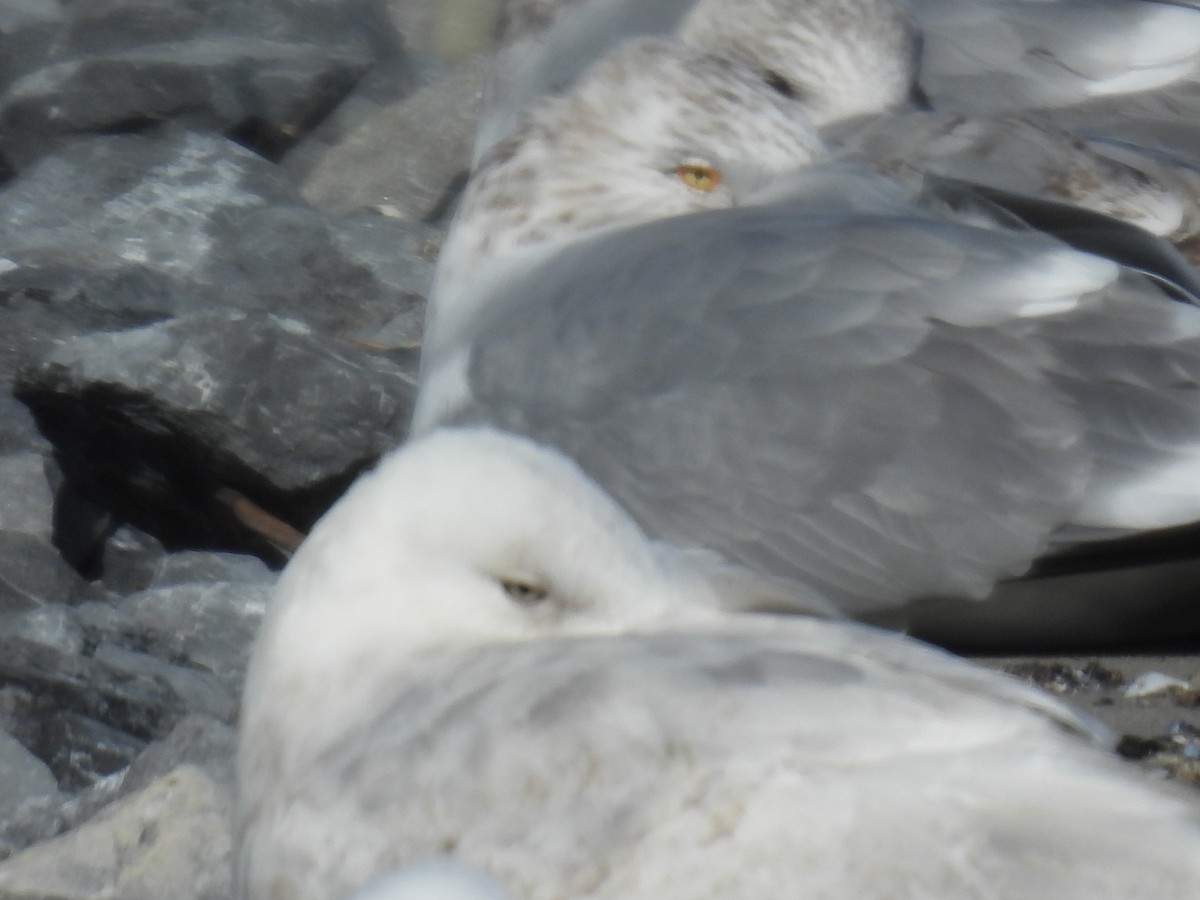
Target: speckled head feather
{"x": 606, "y": 155}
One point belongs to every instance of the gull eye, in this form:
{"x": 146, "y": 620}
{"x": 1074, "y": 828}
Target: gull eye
{"x": 523, "y": 593}
{"x": 779, "y": 84}
{"x": 698, "y": 176}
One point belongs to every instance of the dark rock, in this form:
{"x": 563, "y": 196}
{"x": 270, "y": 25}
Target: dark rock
{"x": 198, "y": 740}
{"x": 33, "y": 573}
{"x": 28, "y": 29}
{"x": 131, "y": 561}
{"x": 81, "y": 750}
{"x": 56, "y": 683}
{"x": 266, "y": 72}
{"x": 157, "y": 423}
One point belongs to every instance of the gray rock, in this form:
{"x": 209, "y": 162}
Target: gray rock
{"x": 199, "y": 691}
{"x": 205, "y": 626}
{"x": 122, "y": 231}
{"x": 199, "y": 741}
{"x": 53, "y": 626}
{"x": 26, "y": 501}
{"x": 18, "y": 433}
{"x": 27, "y": 789}
{"x": 28, "y": 29}
{"x": 158, "y": 423}
{"x": 103, "y": 621}
{"x": 81, "y": 750}
{"x": 202, "y": 566}
{"x": 54, "y": 683}
{"x": 33, "y": 573}
{"x": 131, "y": 560}
{"x": 434, "y": 126}
{"x": 264, "y": 71}
{"x": 171, "y": 839}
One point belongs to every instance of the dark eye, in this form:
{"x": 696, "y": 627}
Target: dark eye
{"x": 524, "y": 593}
{"x": 779, "y": 84}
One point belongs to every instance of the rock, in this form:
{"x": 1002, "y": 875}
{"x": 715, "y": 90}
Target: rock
{"x": 445, "y": 31}
{"x": 27, "y": 505}
{"x": 55, "y": 682}
{"x": 27, "y": 32}
{"x": 81, "y": 750}
{"x": 131, "y": 560}
{"x": 123, "y": 231}
{"x": 198, "y": 690}
{"x": 27, "y": 787}
{"x": 199, "y": 741}
{"x": 202, "y": 567}
{"x": 18, "y": 433}
{"x": 266, "y": 72}
{"x": 435, "y": 126}
{"x": 205, "y": 626}
{"x": 33, "y": 573}
{"x": 53, "y": 626}
{"x": 171, "y": 839}
{"x": 157, "y": 424}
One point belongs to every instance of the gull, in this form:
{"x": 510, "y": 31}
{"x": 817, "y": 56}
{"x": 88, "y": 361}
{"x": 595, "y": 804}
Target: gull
{"x": 478, "y": 654}
{"x": 812, "y": 374}
{"x": 954, "y": 87}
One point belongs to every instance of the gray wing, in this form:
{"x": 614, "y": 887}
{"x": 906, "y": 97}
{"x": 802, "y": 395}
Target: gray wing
{"x": 981, "y": 56}
{"x": 545, "y": 46}
{"x": 856, "y": 403}
{"x": 1024, "y": 153}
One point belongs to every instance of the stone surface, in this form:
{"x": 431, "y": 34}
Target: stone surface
{"x": 33, "y": 573}
{"x": 266, "y": 72}
{"x": 171, "y": 839}
{"x": 198, "y": 740}
{"x": 54, "y": 626}
{"x": 197, "y": 689}
{"x": 55, "y": 682}
{"x": 26, "y": 786}
{"x": 131, "y": 560}
{"x": 156, "y": 423}
{"x": 208, "y": 626}
{"x": 27, "y": 501}
{"x": 435, "y": 126}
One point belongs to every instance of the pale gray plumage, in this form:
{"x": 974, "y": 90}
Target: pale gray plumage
{"x": 874, "y": 404}
{"x": 985, "y": 66}
{"x": 477, "y": 654}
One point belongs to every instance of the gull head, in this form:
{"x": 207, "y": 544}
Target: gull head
{"x": 466, "y": 537}
{"x": 655, "y": 129}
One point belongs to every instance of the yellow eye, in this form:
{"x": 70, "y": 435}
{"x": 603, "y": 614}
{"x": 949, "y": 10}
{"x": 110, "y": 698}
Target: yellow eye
{"x": 698, "y": 176}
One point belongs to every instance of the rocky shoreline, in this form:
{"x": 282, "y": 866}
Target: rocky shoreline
{"x": 218, "y": 223}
